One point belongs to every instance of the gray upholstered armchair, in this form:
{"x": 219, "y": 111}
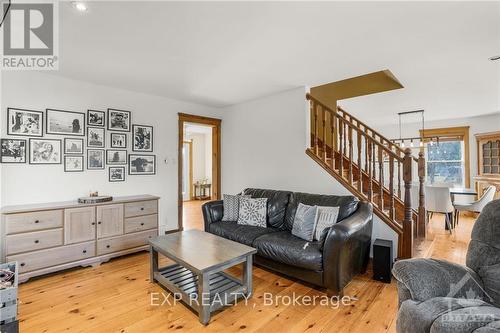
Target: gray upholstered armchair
{"x": 439, "y": 296}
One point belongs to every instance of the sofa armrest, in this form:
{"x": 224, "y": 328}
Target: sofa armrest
{"x": 346, "y": 249}
{"x": 422, "y": 279}
{"x": 212, "y": 212}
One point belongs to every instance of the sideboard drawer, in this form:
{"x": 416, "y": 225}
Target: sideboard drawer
{"x": 124, "y": 242}
{"x": 141, "y": 208}
{"x": 140, "y": 223}
{"x": 51, "y": 257}
{"x": 32, "y": 241}
{"x": 22, "y": 222}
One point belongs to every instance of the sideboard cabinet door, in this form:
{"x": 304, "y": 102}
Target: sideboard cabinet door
{"x": 79, "y": 225}
{"x": 109, "y": 220}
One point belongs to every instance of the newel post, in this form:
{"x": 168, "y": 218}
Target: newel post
{"x": 407, "y": 247}
{"x": 422, "y": 216}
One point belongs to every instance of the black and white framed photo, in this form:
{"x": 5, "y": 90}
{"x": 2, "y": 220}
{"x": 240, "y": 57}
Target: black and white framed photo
{"x": 95, "y": 137}
{"x": 45, "y": 151}
{"x": 118, "y": 140}
{"x": 95, "y": 118}
{"x": 142, "y": 138}
{"x": 73, "y": 163}
{"x": 95, "y": 159}
{"x": 117, "y": 174}
{"x": 141, "y": 164}
{"x": 13, "y": 151}
{"x": 73, "y": 146}
{"x": 118, "y": 120}
{"x": 63, "y": 122}
{"x": 24, "y": 122}
{"x": 116, "y": 157}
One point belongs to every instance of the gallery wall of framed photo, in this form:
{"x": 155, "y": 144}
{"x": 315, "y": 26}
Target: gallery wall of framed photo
{"x": 77, "y": 140}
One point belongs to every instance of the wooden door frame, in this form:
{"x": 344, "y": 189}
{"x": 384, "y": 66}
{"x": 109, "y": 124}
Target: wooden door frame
{"x": 190, "y": 144}
{"x": 216, "y": 160}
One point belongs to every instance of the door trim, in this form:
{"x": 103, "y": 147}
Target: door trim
{"x": 190, "y": 185}
{"x": 216, "y": 157}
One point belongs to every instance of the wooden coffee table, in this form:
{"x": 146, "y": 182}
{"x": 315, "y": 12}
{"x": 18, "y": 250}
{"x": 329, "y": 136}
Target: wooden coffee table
{"x": 197, "y": 276}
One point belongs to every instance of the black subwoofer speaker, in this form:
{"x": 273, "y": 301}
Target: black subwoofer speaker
{"x": 382, "y": 260}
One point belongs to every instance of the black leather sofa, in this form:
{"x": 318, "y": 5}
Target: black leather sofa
{"x": 330, "y": 264}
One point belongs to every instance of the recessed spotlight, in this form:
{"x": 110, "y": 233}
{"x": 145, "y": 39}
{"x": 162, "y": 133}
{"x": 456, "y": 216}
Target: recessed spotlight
{"x": 495, "y": 58}
{"x": 80, "y": 6}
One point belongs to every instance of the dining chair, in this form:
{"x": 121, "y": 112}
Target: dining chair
{"x": 475, "y": 206}
{"x": 438, "y": 200}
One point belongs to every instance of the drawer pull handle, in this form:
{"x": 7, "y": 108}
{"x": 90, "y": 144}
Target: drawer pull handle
{"x": 142, "y": 208}
{"x": 84, "y": 251}
{"x": 142, "y": 223}
{"x": 37, "y": 221}
{"x": 93, "y": 223}
{"x": 23, "y": 264}
{"x": 37, "y": 241}
{"x": 99, "y": 222}
{"x": 108, "y": 246}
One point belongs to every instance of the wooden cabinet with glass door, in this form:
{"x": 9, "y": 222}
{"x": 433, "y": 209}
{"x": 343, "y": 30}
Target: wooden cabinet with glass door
{"x": 488, "y": 163}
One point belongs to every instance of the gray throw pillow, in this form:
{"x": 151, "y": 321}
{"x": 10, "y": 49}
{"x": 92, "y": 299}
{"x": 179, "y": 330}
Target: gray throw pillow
{"x": 253, "y": 212}
{"x": 327, "y": 217}
{"x": 304, "y": 222}
{"x": 231, "y": 205}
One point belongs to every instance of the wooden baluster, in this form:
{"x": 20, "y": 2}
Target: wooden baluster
{"x": 344, "y": 148}
{"x": 366, "y": 150}
{"x": 360, "y": 172}
{"x": 381, "y": 177}
{"x": 370, "y": 183}
{"x": 341, "y": 145}
{"x": 350, "y": 156}
{"x": 323, "y": 113}
{"x": 316, "y": 143}
{"x": 374, "y": 170}
{"x": 422, "y": 215}
{"x": 391, "y": 187}
{"x": 399, "y": 179}
{"x": 332, "y": 138}
{"x": 407, "y": 246}
{"x": 312, "y": 107}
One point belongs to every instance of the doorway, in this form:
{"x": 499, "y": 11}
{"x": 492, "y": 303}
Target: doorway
{"x": 199, "y": 167}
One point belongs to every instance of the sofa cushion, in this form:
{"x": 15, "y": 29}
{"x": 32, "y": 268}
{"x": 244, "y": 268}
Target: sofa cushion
{"x": 284, "y": 247}
{"x": 347, "y": 204}
{"x": 305, "y": 221}
{"x": 244, "y": 234}
{"x": 277, "y": 202}
{"x": 253, "y": 212}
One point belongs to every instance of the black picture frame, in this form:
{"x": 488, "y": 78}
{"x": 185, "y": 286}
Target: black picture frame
{"x": 89, "y": 118}
{"x": 124, "y": 137}
{"x": 131, "y": 156}
{"x": 116, "y": 150}
{"x": 41, "y": 123}
{"x": 73, "y": 156}
{"x": 90, "y": 128}
{"x": 71, "y": 152}
{"x": 116, "y": 167}
{"x": 3, "y": 155}
{"x": 55, "y": 111}
{"x": 102, "y": 152}
{"x": 150, "y": 149}
{"x": 110, "y": 119}
{"x": 31, "y": 146}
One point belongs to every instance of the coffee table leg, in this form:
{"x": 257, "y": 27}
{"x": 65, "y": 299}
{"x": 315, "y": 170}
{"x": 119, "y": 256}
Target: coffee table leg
{"x": 204, "y": 298}
{"x": 247, "y": 275}
{"x": 153, "y": 260}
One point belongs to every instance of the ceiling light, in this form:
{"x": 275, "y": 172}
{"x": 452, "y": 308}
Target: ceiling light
{"x": 495, "y": 58}
{"x": 80, "y": 6}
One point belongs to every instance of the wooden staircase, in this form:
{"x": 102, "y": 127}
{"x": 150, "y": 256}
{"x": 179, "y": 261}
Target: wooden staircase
{"x": 371, "y": 167}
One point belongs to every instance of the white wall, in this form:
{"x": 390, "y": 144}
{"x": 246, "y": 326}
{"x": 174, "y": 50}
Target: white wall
{"x": 263, "y": 146}
{"x": 24, "y": 183}
{"x": 199, "y": 155}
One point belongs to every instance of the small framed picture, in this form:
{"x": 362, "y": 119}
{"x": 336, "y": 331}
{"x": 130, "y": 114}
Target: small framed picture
{"x": 141, "y": 164}
{"x": 95, "y": 137}
{"x": 62, "y": 122}
{"x": 95, "y": 159}
{"x": 45, "y": 151}
{"x": 116, "y": 174}
{"x": 142, "y": 138}
{"x": 95, "y": 118}
{"x": 73, "y": 146}
{"x": 24, "y": 122}
{"x": 73, "y": 163}
{"x": 118, "y": 120}
{"x": 116, "y": 157}
{"x": 13, "y": 151}
{"x": 118, "y": 140}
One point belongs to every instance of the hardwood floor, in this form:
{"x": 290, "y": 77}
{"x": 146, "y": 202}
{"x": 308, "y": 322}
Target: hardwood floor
{"x": 192, "y": 218}
{"x": 116, "y": 297}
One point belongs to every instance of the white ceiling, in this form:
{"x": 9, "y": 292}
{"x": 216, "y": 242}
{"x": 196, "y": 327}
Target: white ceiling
{"x": 223, "y": 53}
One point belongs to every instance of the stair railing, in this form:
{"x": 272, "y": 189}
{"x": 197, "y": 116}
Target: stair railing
{"x": 372, "y": 167}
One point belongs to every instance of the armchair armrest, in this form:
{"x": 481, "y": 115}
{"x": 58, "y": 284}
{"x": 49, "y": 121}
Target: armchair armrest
{"x": 346, "y": 249}
{"x": 423, "y": 279}
{"x": 212, "y": 212}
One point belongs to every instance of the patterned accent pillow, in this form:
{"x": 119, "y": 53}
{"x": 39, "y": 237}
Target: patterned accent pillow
{"x": 304, "y": 222}
{"x": 253, "y": 212}
{"x": 327, "y": 217}
{"x": 231, "y": 205}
